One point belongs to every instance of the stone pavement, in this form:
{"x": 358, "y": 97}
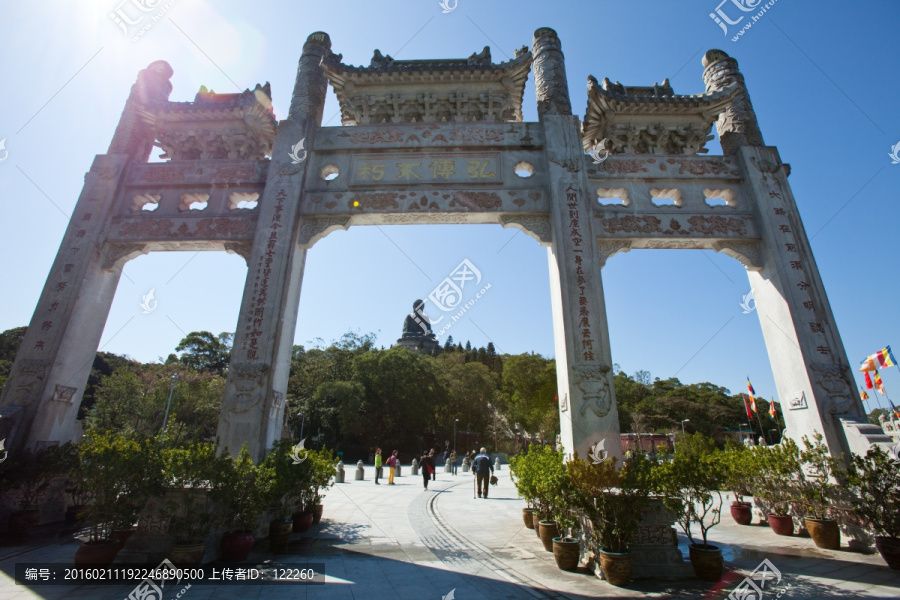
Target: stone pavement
{"x": 387, "y": 542}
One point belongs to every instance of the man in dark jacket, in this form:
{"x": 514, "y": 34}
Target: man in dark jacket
{"x": 482, "y": 469}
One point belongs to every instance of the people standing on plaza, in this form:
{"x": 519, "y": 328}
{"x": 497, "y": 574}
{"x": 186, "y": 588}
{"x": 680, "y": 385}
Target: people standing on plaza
{"x": 427, "y": 463}
{"x": 453, "y": 462}
{"x": 483, "y": 469}
{"x": 392, "y": 462}
{"x": 467, "y": 462}
{"x": 433, "y": 465}
{"x": 377, "y": 464}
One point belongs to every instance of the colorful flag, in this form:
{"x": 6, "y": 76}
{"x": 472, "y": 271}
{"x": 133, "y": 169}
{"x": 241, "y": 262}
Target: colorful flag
{"x": 862, "y": 394}
{"x": 884, "y": 357}
{"x": 869, "y": 385}
{"x": 752, "y": 399}
{"x": 772, "y": 409}
{"x": 878, "y": 384}
{"x": 868, "y": 364}
{"x": 894, "y": 408}
{"x": 747, "y": 407}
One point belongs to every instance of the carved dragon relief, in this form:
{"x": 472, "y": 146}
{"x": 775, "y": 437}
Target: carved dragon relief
{"x": 593, "y": 382}
{"x": 536, "y": 226}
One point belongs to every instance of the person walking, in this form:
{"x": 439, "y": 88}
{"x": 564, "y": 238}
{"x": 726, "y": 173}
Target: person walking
{"x": 427, "y": 467}
{"x": 392, "y": 462}
{"x": 453, "y": 462}
{"x": 377, "y": 464}
{"x": 483, "y": 469}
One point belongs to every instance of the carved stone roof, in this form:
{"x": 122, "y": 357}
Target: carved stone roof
{"x": 650, "y": 120}
{"x": 433, "y": 90}
{"x": 234, "y": 126}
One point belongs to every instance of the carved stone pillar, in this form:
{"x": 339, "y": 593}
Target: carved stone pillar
{"x": 41, "y": 398}
{"x": 586, "y": 394}
{"x": 253, "y": 408}
{"x": 134, "y": 136}
{"x": 737, "y": 125}
{"x": 813, "y": 376}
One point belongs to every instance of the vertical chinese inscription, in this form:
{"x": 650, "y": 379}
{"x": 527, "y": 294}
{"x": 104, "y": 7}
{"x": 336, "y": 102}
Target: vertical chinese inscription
{"x": 260, "y": 294}
{"x": 586, "y": 348}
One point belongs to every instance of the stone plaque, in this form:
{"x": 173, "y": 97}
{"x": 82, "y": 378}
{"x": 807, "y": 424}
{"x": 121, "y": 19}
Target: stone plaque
{"x": 797, "y": 401}
{"x": 395, "y": 169}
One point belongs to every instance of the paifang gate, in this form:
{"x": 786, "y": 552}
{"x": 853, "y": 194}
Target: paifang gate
{"x": 436, "y": 141}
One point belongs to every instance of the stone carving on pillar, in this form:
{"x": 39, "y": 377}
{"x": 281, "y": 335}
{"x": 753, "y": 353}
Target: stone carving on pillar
{"x": 834, "y": 379}
{"x": 242, "y": 248}
{"x": 308, "y": 99}
{"x": 134, "y": 136}
{"x": 593, "y": 381}
{"x": 63, "y": 393}
{"x": 116, "y": 255}
{"x": 747, "y": 253}
{"x": 551, "y": 86}
{"x": 313, "y": 229}
{"x": 536, "y": 226}
{"x": 737, "y": 125}
{"x": 29, "y": 381}
{"x": 249, "y": 379}
{"x": 606, "y": 249}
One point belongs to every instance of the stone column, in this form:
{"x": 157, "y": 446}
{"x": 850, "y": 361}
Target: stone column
{"x": 253, "y": 408}
{"x": 737, "y": 125}
{"x": 41, "y": 398}
{"x": 587, "y": 401}
{"x": 812, "y": 374}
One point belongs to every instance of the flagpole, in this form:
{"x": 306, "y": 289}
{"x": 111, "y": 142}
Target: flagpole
{"x": 761, "y": 430}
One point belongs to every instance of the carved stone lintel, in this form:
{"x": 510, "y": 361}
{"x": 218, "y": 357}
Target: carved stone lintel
{"x": 114, "y": 256}
{"x": 315, "y": 228}
{"x": 746, "y": 252}
{"x": 536, "y": 225}
{"x": 242, "y": 248}
{"x": 606, "y": 249}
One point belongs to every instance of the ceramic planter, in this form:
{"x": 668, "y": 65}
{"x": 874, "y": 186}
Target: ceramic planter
{"x": 824, "y": 532}
{"x": 889, "y": 548}
{"x": 616, "y": 567}
{"x": 236, "y": 545}
{"x": 781, "y": 524}
{"x": 97, "y": 553}
{"x": 279, "y": 534}
{"x": 549, "y": 530}
{"x": 528, "y": 517}
{"x": 302, "y": 521}
{"x": 566, "y": 552}
{"x": 535, "y": 523}
{"x": 707, "y": 561}
{"x": 187, "y": 555}
{"x": 317, "y": 513}
{"x": 742, "y": 513}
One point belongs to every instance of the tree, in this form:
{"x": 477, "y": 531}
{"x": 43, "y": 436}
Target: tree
{"x": 529, "y": 386}
{"x": 201, "y": 350}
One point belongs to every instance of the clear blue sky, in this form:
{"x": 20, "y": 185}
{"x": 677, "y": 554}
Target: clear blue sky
{"x": 822, "y": 77}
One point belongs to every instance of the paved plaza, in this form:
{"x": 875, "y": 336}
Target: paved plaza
{"x": 381, "y": 542}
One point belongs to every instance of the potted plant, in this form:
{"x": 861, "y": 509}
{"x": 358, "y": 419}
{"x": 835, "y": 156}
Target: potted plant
{"x": 690, "y": 484}
{"x": 521, "y": 467}
{"x": 776, "y": 482}
{"x": 550, "y": 476}
{"x": 323, "y": 474}
{"x": 79, "y": 498}
{"x": 874, "y": 481}
{"x": 817, "y": 489}
{"x": 242, "y": 504}
{"x": 191, "y": 472}
{"x": 567, "y": 546}
{"x": 26, "y": 476}
{"x": 120, "y": 473}
{"x": 739, "y": 473}
{"x": 279, "y": 477}
{"x": 613, "y": 500}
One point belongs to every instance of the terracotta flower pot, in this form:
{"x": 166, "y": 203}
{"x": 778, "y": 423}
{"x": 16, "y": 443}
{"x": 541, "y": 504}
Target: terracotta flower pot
{"x": 528, "y": 517}
{"x": 781, "y": 524}
{"x": 236, "y": 545}
{"x": 824, "y": 532}
{"x": 616, "y": 567}
{"x": 742, "y": 513}
{"x": 302, "y": 521}
{"x": 97, "y": 553}
{"x": 21, "y": 523}
{"x": 317, "y": 513}
{"x": 889, "y": 548}
{"x": 187, "y": 555}
{"x": 535, "y": 523}
{"x": 707, "y": 561}
{"x": 566, "y": 552}
{"x": 280, "y": 533}
{"x": 549, "y": 530}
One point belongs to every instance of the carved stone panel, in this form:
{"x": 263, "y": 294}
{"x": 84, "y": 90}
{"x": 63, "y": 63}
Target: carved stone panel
{"x": 536, "y": 226}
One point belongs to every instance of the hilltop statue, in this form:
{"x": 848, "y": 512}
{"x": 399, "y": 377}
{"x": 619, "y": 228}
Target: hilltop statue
{"x": 417, "y": 333}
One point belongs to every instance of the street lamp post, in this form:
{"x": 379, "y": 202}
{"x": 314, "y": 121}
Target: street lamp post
{"x": 683, "y": 421}
{"x": 455, "y": 421}
{"x": 169, "y": 403}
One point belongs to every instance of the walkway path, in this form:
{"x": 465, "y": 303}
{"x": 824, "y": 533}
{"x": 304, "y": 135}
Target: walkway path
{"x": 401, "y": 542}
